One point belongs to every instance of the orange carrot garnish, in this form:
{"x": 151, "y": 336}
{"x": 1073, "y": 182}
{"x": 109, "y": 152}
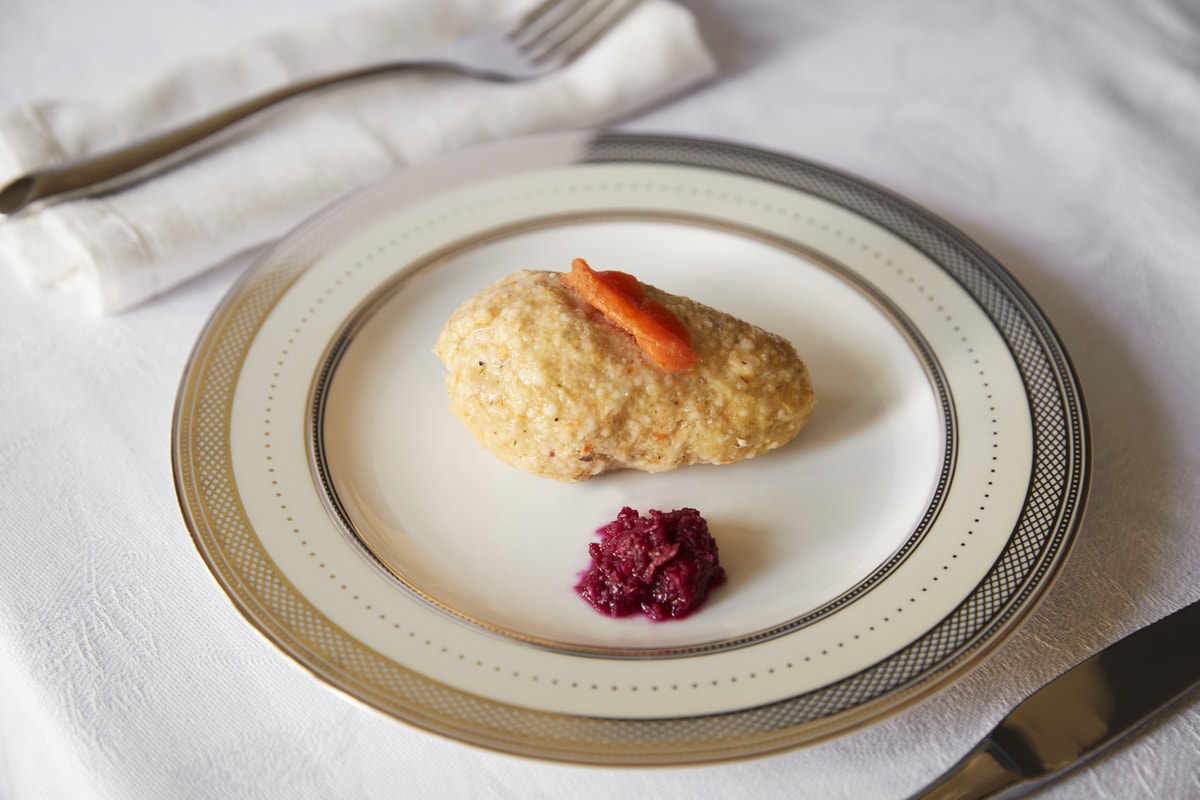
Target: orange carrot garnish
{"x": 622, "y": 298}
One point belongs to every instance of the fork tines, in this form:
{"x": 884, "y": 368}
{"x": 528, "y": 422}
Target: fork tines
{"x": 560, "y": 30}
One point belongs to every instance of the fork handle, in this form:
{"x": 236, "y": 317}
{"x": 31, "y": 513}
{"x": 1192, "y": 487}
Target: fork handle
{"x": 120, "y": 167}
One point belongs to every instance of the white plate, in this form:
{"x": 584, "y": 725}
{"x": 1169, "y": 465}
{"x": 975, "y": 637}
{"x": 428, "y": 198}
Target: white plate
{"x": 918, "y": 517}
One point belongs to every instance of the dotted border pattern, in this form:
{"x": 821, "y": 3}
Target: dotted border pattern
{"x": 337, "y": 508}
{"x": 1059, "y": 485}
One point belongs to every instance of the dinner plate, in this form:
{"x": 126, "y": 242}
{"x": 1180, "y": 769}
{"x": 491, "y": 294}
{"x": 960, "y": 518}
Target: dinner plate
{"x": 908, "y": 529}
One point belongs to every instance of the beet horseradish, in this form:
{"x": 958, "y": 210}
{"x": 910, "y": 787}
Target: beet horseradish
{"x": 662, "y": 565}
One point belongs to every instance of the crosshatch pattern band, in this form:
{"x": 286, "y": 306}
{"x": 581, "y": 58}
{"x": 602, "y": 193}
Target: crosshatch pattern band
{"x": 1061, "y": 451}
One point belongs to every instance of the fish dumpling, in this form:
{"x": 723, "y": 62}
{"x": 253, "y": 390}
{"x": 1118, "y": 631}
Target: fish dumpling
{"x": 548, "y": 383}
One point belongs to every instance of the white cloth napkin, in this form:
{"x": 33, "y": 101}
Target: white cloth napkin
{"x": 124, "y": 248}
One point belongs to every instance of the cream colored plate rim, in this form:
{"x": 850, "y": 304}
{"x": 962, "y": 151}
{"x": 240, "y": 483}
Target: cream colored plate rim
{"x": 1005, "y": 500}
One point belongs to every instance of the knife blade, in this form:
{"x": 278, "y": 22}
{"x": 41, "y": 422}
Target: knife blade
{"x": 1081, "y": 712}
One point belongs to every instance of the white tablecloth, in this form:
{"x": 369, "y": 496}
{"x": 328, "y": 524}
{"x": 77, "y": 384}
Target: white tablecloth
{"x": 1063, "y": 136}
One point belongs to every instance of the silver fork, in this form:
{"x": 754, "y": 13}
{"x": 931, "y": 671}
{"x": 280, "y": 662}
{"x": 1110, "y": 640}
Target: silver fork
{"x": 545, "y": 39}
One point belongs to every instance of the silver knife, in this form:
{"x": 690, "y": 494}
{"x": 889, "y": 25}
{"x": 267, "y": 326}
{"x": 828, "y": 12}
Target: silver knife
{"x": 1080, "y": 712}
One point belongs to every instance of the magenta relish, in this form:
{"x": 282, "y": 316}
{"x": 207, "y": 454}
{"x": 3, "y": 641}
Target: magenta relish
{"x": 662, "y": 564}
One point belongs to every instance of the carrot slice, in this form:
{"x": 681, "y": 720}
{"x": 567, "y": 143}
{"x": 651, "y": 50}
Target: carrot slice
{"x": 623, "y": 282}
{"x": 622, "y": 298}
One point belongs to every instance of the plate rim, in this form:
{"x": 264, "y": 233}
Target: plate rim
{"x": 624, "y": 741}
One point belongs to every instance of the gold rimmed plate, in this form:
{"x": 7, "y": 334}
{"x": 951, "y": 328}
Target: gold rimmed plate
{"x": 911, "y": 525}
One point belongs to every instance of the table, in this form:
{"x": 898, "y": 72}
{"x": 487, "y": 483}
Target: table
{"x": 1062, "y": 137}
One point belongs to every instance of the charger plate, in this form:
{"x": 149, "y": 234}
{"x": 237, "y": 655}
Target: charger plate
{"x": 907, "y": 530}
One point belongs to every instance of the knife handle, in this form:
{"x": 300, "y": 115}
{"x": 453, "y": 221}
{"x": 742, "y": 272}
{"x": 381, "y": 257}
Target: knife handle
{"x": 980, "y": 774}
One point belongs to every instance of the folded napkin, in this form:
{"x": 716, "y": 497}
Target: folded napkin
{"x": 127, "y": 247}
